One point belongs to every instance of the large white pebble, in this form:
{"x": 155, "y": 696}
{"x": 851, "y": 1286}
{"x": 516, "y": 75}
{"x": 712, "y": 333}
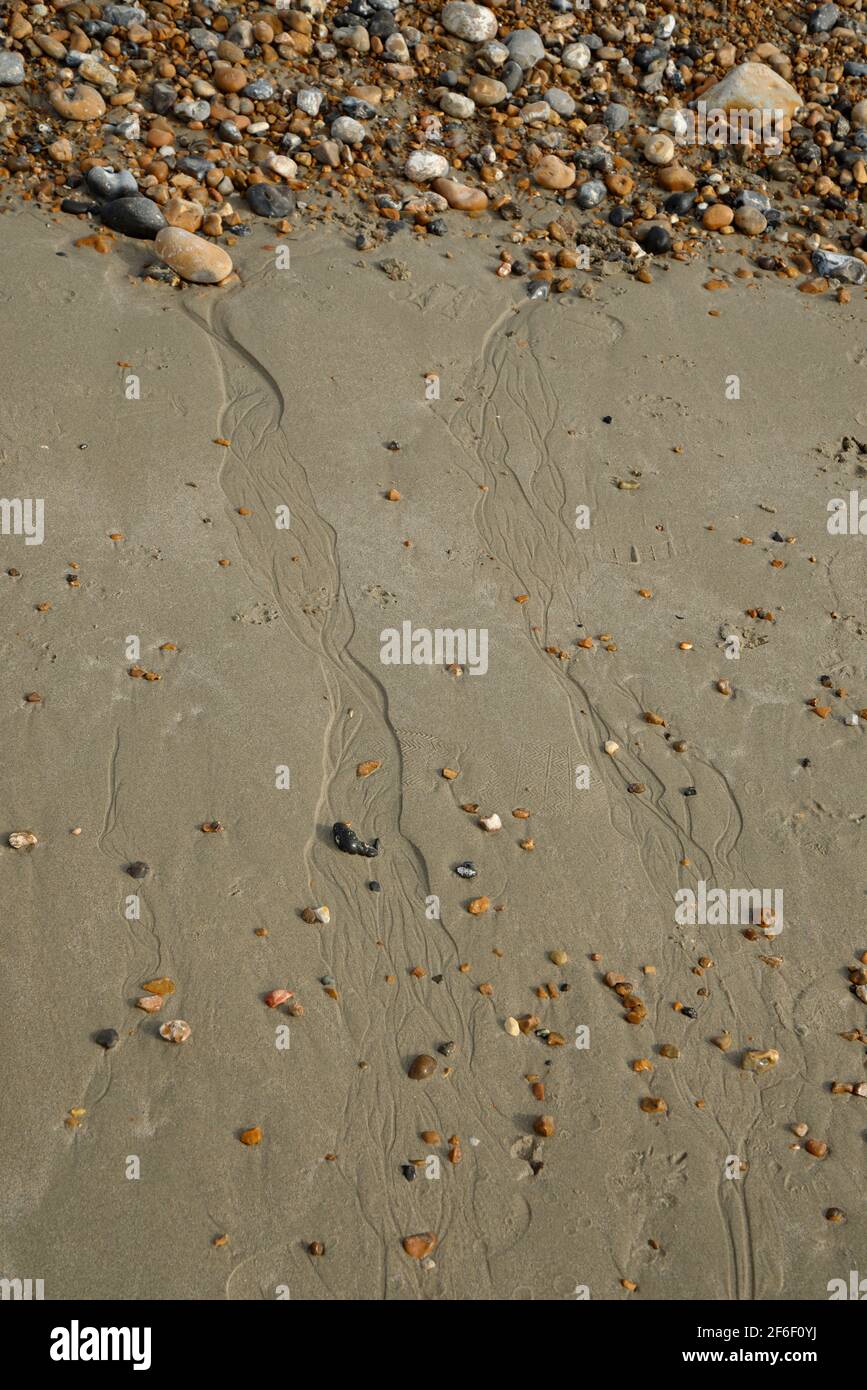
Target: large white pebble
{"x": 423, "y": 165}
{"x": 472, "y": 22}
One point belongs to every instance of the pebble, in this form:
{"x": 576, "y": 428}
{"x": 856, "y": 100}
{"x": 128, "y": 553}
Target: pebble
{"x": 198, "y": 261}
{"x": 251, "y": 1137}
{"x": 751, "y": 221}
{"x": 270, "y": 200}
{"x": 491, "y": 823}
{"x": 467, "y": 869}
{"x": 422, "y": 1067}
{"x": 107, "y": 1038}
{"x": 487, "y": 91}
{"x": 659, "y": 149}
{"x": 459, "y": 196}
{"x": 138, "y": 869}
{"x": 838, "y": 267}
{"x": 525, "y": 48}
{"x": 457, "y": 105}
{"x": 346, "y": 840}
{"x": 11, "y": 68}
{"x": 424, "y": 165}
{"x": 752, "y": 86}
{"x": 22, "y": 840}
{"x": 552, "y": 173}
{"x": 350, "y": 131}
{"x": 105, "y": 182}
{"x": 175, "y": 1031}
{"x": 134, "y": 216}
{"x": 755, "y": 1060}
{"x": 576, "y": 57}
{"x": 475, "y": 23}
{"x": 419, "y": 1246}
{"x": 78, "y": 103}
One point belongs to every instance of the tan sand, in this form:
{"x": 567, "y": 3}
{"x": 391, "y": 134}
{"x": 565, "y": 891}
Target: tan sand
{"x": 309, "y": 372}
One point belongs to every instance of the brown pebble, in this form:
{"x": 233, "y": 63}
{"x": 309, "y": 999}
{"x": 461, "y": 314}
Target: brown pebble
{"x": 544, "y": 1125}
{"x": 422, "y": 1067}
{"x": 418, "y": 1246}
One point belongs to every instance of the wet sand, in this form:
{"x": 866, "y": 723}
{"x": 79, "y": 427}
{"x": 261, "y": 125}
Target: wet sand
{"x": 309, "y": 373}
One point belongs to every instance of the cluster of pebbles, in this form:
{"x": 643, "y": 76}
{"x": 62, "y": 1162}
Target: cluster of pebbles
{"x": 177, "y": 121}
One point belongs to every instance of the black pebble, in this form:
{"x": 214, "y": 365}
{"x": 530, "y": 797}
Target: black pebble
{"x": 374, "y": 886}
{"x": 107, "y": 1038}
{"x": 346, "y": 839}
{"x": 447, "y": 1049}
{"x": 138, "y": 870}
{"x": 606, "y": 419}
{"x": 467, "y": 869}
{"x": 690, "y": 791}
{"x": 806, "y": 762}
{"x": 408, "y": 1170}
{"x": 654, "y": 240}
{"x": 688, "y": 1012}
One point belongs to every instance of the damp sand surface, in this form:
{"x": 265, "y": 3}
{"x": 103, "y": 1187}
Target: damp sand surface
{"x": 308, "y": 374}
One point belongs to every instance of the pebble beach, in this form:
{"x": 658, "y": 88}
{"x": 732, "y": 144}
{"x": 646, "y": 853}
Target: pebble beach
{"x": 433, "y": 451}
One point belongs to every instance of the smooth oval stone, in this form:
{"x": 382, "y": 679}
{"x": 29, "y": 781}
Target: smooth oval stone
{"x": 472, "y": 22}
{"x": 486, "y": 91}
{"x": 194, "y": 259}
{"x": 106, "y": 183}
{"x": 674, "y": 178}
{"x": 270, "y": 200}
{"x": 576, "y": 56}
{"x": 136, "y": 216}
{"x": 457, "y": 105}
{"x": 560, "y": 101}
{"x": 350, "y": 131}
{"x": 659, "y": 149}
{"x": 422, "y": 1067}
{"x": 459, "y": 196}
{"x": 590, "y": 194}
{"x": 750, "y": 220}
{"x": 525, "y": 48}
{"x": 552, "y": 173}
{"x": 654, "y": 239}
{"x": 78, "y": 103}
{"x": 615, "y": 115}
{"x": 423, "y": 165}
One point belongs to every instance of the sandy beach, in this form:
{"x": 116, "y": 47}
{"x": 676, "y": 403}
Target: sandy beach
{"x": 193, "y": 422}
